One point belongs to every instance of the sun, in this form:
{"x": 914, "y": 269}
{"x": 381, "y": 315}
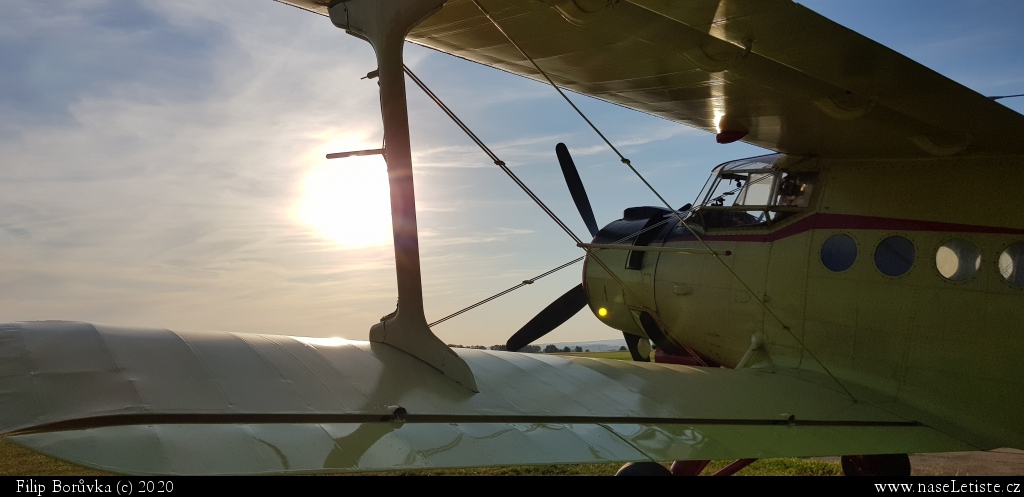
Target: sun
{"x": 347, "y": 201}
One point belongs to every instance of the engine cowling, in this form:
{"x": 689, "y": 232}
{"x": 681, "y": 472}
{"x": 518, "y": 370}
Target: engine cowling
{"x": 620, "y": 284}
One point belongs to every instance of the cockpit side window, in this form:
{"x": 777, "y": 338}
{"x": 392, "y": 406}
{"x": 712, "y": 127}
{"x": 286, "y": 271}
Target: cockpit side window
{"x": 794, "y": 194}
{"x": 732, "y": 189}
{"x": 757, "y": 190}
{"x": 795, "y": 189}
{"x": 750, "y": 193}
{"x": 731, "y": 192}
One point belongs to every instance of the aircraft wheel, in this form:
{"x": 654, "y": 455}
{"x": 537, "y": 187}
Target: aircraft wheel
{"x": 876, "y": 465}
{"x": 646, "y": 468}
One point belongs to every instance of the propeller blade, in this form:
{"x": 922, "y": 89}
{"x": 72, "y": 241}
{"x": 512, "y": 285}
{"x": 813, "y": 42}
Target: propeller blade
{"x": 579, "y": 194}
{"x": 551, "y": 317}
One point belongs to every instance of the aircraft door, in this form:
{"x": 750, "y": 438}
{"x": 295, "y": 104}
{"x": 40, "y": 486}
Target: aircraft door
{"x": 785, "y": 295}
{"x": 787, "y": 272}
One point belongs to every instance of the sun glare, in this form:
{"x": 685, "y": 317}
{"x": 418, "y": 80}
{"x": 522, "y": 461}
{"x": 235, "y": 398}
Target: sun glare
{"x": 347, "y": 200}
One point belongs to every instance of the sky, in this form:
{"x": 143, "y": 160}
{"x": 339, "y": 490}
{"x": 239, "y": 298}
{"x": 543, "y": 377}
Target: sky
{"x": 162, "y": 164}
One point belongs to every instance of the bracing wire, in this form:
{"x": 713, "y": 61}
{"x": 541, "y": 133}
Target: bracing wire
{"x": 535, "y": 278}
{"x": 498, "y": 162}
{"x": 499, "y": 294}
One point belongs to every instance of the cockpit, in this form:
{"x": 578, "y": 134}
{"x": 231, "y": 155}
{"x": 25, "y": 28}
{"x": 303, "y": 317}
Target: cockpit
{"x": 752, "y": 193}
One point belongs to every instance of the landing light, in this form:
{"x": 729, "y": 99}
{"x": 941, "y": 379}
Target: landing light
{"x": 602, "y": 312}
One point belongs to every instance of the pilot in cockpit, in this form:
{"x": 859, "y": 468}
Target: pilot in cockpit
{"x": 794, "y": 191}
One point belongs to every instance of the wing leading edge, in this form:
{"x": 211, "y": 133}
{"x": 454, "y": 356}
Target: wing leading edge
{"x": 157, "y": 401}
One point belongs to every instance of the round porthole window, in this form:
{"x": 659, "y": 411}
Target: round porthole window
{"x": 839, "y": 252}
{"x": 1011, "y": 264}
{"x": 894, "y": 256}
{"x": 958, "y": 260}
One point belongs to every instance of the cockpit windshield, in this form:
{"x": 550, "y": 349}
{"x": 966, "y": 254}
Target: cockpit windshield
{"x": 750, "y": 192}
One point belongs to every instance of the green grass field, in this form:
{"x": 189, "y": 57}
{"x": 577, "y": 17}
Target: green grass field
{"x": 622, "y": 355}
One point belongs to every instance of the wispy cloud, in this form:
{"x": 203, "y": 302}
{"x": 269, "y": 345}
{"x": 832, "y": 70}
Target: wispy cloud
{"x": 155, "y": 184}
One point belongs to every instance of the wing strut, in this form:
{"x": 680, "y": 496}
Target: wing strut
{"x": 384, "y": 24}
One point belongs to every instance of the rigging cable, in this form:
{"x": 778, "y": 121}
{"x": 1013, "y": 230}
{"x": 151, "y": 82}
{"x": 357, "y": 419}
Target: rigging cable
{"x": 627, "y": 162}
{"x": 535, "y": 278}
{"x": 499, "y": 294}
{"x": 498, "y": 162}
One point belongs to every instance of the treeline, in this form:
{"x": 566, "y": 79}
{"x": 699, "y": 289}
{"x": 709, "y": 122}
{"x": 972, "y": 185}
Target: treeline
{"x": 529, "y": 349}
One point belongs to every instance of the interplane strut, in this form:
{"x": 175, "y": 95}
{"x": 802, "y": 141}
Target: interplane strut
{"x": 384, "y": 24}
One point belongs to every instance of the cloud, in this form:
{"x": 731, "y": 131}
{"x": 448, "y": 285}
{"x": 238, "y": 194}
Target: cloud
{"x": 49, "y": 64}
{"x": 153, "y": 180}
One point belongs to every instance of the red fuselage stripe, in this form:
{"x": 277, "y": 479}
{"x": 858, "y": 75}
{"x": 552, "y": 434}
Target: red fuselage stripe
{"x": 851, "y": 222}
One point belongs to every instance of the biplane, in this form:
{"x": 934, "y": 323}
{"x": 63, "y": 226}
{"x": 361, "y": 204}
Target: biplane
{"x": 858, "y": 292}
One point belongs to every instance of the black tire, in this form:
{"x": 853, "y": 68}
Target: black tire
{"x": 876, "y": 465}
{"x": 643, "y": 469}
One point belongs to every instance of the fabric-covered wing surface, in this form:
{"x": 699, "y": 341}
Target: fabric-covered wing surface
{"x": 157, "y": 401}
{"x": 797, "y": 82}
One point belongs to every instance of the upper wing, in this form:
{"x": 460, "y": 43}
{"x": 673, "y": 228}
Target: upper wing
{"x": 797, "y": 82}
{"x": 157, "y": 401}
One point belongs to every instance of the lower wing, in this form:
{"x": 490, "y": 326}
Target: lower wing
{"x": 162, "y": 402}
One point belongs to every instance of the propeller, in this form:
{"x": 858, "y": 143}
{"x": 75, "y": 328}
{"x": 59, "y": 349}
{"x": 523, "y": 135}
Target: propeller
{"x": 551, "y": 317}
{"x": 574, "y": 300}
{"x": 579, "y": 194}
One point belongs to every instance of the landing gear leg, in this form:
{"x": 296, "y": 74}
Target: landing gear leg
{"x": 876, "y": 465}
{"x": 688, "y": 468}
